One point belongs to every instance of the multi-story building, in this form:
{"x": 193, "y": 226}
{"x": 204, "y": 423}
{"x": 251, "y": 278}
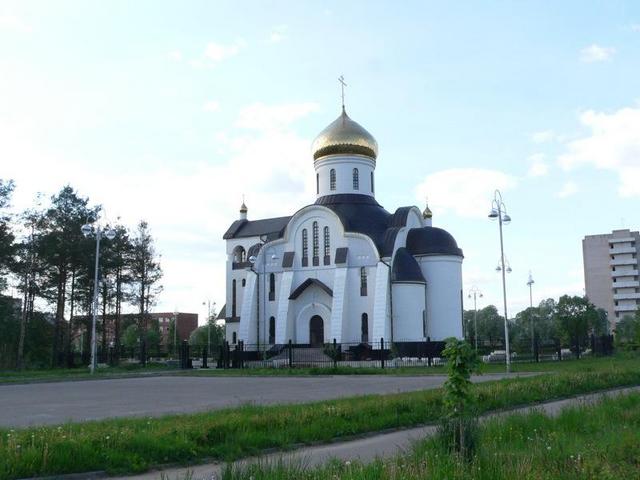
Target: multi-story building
{"x": 611, "y": 272}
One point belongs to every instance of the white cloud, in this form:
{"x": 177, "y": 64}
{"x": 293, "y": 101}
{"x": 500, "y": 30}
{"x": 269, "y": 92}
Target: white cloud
{"x": 273, "y": 117}
{"x": 211, "y": 106}
{"x": 613, "y": 144}
{"x": 596, "y": 53}
{"x": 273, "y": 167}
{"x": 538, "y": 167}
{"x": 542, "y": 137}
{"x": 12, "y": 22}
{"x": 216, "y": 52}
{"x": 278, "y": 34}
{"x": 465, "y": 191}
{"x": 569, "y": 188}
{"x": 635, "y": 27}
{"x": 175, "y": 55}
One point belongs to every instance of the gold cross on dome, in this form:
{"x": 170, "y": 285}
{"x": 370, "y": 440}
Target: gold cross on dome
{"x": 342, "y": 85}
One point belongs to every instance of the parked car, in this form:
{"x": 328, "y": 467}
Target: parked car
{"x": 497, "y": 356}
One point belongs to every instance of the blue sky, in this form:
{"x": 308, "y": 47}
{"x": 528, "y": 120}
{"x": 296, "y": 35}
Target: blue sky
{"x": 170, "y": 111}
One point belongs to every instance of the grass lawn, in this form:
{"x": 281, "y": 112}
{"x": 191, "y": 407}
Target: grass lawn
{"x": 590, "y": 442}
{"x": 135, "y": 445}
{"x": 586, "y": 364}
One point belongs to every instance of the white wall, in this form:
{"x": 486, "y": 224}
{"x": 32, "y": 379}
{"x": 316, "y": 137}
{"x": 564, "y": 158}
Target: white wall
{"x": 344, "y": 165}
{"x": 408, "y": 305}
{"x": 443, "y": 274}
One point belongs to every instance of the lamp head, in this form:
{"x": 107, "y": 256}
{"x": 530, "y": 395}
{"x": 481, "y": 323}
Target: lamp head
{"x": 498, "y": 268}
{"x": 509, "y": 270}
{"x": 493, "y": 214}
{"x": 86, "y": 229}
{"x": 252, "y": 259}
{"x": 110, "y": 233}
{"x": 506, "y": 219}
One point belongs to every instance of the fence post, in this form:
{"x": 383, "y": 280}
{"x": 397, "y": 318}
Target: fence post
{"x": 429, "y": 351}
{"x": 335, "y": 354}
{"x": 382, "y": 352}
{"x": 204, "y": 357}
{"x": 241, "y": 353}
{"x": 559, "y": 350}
{"x": 290, "y": 354}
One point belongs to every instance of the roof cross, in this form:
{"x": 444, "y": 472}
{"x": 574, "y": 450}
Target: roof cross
{"x": 342, "y": 85}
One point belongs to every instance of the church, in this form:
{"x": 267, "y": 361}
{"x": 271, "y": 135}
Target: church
{"x": 343, "y": 267}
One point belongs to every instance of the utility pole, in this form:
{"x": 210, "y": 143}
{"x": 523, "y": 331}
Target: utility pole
{"x": 475, "y": 293}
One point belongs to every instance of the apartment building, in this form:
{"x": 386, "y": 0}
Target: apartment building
{"x": 611, "y": 272}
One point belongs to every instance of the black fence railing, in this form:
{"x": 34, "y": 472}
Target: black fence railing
{"x": 380, "y": 354}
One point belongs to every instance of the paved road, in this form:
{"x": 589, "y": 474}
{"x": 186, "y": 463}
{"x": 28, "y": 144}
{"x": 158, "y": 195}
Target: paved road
{"x": 53, "y": 403}
{"x": 363, "y": 449}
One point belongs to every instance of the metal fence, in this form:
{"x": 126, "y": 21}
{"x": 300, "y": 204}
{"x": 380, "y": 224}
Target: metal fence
{"x": 380, "y": 354}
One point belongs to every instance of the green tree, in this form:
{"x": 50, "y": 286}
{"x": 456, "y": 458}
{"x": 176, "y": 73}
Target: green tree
{"x": 490, "y": 326}
{"x": 628, "y": 329}
{"x": 7, "y": 246}
{"x": 576, "y": 317}
{"x": 458, "y": 429}
{"x": 145, "y": 274}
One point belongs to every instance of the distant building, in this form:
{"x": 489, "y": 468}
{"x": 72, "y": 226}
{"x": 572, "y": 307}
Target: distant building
{"x": 611, "y": 272}
{"x": 186, "y": 324}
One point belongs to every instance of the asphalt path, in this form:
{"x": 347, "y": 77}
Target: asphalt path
{"x": 59, "y": 402}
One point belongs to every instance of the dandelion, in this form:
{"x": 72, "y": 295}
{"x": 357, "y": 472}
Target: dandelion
{"x": 548, "y": 447}
{"x": 107, "y": 437}
{"x": 347, "y": 463}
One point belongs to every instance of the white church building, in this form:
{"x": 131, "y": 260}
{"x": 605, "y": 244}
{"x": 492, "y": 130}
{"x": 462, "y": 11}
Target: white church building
{"x": 343, "y": 267}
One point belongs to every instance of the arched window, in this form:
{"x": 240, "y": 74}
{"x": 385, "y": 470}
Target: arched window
{"x": 234, "y": 338}
{"x": 317, "y": 183}
{"x": 332, "y": 179}
{"x": 363, "y": 281}
{"x": 356, "y": 179}
{"x": 272, "y": 330}
{"x": 239, "y": 254}
{"x": 305, "y": 248}
{"x": 272, "y": 287}
{"x": 233, "y": 299}
{"x": 244, "y": 282}
{"x": 316, "y": 244}
{"x": 327, "y": 246}
{"x": 372, "y": 188}
{"x": 364, "y": 328}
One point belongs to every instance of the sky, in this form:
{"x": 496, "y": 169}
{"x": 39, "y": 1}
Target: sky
{"x": 172, "y": 111}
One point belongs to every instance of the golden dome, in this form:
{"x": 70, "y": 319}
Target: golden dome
{"x": 344, "y": 136}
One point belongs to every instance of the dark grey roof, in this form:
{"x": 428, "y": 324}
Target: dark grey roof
{"x": 287, "y": 259}
{"x": 399, "y": 218}
{"x": 254, "y": 250}
{"x": 341, "y": 255}
{"x": 405, "y": 268}
{"x": 222, "y": 313}
{"x": 273, "y": 228}
{"x": 359, "y": 213}
{"x": 306, "y": 284}
{"x": 432, "y": 241}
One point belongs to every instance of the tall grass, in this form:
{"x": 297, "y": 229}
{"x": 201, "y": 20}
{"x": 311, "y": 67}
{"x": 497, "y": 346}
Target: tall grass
{"x": 589, "y": 442}
{"x": 135, "y": 445}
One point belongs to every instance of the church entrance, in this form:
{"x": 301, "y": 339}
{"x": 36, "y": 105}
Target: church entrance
{"x": 316, "y": 330}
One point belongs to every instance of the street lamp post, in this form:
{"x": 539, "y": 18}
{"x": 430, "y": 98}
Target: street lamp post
{"x": 87, "y": 229}
{"x": 209, "y": 323}
{"x": 499, "y": 211}
{"x": 530, "y": 283}
{"x": 475, "y": 292}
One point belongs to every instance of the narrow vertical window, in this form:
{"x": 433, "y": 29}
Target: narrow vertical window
{"x": 363, "y": 281}
{"x": 316, "y": 244}
{"x": 332, "y": 179}
{"x": 356, "y": 179}
{"x": 234, "y": 338}
{"x": 272, "y": 330}
{"x": 327, "y": 246}
{"x": 233, "y": 298}
{"x": 272, "y": 287}
{"x": 364, "y": 328}
{"x": 305, "y": 248}
{"x": 317, "y": 183}
{"x": 372, "y": 187}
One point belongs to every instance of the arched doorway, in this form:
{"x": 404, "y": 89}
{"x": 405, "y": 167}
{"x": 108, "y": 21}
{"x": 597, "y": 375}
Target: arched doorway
{"x": 316, "y": 330}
